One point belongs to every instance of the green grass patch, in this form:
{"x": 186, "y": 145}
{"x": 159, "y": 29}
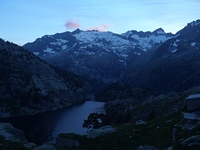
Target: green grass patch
{"x": 157, "y": 133}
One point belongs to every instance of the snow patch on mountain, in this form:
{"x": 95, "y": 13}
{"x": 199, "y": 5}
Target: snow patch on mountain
{"x": 36, "y": 53}
{"x": 175, "y": 44}
{"x": 64, "y": 47}
{"x": 173, "y": 51}
{"x": 137, "y": 53}
{"x": 193, "y": 43}
{"x": 106, "y": 41}
{"x": 160, "y": 32}
{"x": 146, "y": 40}
{"x": 62, "y": 41}
{"x": 49, "y": 50}
{"x": 101, "y": 39}
{"x": 59, "y": 42}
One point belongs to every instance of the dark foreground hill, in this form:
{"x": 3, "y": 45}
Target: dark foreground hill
{"x": 29, "y": 85}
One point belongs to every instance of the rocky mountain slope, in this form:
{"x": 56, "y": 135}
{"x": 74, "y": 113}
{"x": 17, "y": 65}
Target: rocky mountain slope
{"x": 29, "y": 85}
{"x": 100, "y": 57}
{"x": 173, "y": 66}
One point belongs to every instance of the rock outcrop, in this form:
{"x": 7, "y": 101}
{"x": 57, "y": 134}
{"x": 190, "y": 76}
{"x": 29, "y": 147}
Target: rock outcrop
{"x": 146, "y": 148}
{"x": 192, "y": 141}
{"x": 140, "y": 123}
{"x": 60, "y": 142}
{"x": 12, "y": 134}
{"x": 193, "y": 102}
{"x": 101, "y": 131}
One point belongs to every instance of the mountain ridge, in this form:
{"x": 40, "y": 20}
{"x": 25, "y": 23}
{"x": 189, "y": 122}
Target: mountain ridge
{"x": 99, "y": 57}
{"x": 173, "y": 66}
{"x": 29, "y": 85}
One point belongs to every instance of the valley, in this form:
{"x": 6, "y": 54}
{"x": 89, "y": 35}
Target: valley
{"x": 142, "y": 77}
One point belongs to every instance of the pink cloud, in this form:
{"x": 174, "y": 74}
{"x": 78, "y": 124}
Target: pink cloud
{"x": 105, "y": 26}
{"x": 72, "y": 24}
{"x": 102, "y": 28}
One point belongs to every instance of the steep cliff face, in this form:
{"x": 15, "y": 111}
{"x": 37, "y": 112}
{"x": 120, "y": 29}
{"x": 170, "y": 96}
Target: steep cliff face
{"x": 29, "y": 85}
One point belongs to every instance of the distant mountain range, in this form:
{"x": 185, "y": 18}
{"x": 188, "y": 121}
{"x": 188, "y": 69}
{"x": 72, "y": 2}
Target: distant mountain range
{"x": 29, "y": 85}
{"x": 99, "y": 57}
{"x": 157, "y": 60}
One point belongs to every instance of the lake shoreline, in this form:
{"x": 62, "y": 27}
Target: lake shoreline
{"x": 46, "y": 126}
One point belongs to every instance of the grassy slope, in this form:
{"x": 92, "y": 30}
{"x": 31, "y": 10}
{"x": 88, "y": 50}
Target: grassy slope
{"x": 157, "y": 133}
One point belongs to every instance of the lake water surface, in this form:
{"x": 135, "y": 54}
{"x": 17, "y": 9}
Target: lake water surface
{"x": 47, "y": 126}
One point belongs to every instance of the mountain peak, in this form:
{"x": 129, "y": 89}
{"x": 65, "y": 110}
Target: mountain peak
{"x": 159, "y": 31}
{"x": 77, "y": 31}
{"x": 194, "y": 23}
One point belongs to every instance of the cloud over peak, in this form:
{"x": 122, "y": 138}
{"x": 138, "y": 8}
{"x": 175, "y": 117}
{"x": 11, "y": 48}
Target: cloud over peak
{"x": 72, "y": 24}
{"x": 101, "y": 28}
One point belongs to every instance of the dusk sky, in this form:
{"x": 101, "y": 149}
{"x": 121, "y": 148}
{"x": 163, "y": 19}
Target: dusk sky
{"x": 23, "y": 21}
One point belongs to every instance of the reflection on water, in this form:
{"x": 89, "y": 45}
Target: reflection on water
{"x": 45, "y": 127}
{"x": 71, "y": 120}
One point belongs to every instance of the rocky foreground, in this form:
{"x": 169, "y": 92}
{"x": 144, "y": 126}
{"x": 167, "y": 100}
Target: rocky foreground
{"x": 174, "y": 125}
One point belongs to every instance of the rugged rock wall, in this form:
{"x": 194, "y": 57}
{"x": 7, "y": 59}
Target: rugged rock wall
{"x": 29, "y": 85}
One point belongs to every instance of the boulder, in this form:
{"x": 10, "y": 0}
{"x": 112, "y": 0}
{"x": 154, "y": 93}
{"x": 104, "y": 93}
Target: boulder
{"x": 146, "y": 148}
{"x": 30, "y": 145}
{"x": 169, "y": 148}
{"x": 60, "y": 142}
{"x": 188, "y": 127}
{"x": 101, "y": 131}
{"x": 191, "y": 116}
{"x": 12, "y": 134}
{"x": 192, "y": 141}
{"x": 140, "y": 122}
{"x": 45, "y": 147}
{"x": 193, "y": 102}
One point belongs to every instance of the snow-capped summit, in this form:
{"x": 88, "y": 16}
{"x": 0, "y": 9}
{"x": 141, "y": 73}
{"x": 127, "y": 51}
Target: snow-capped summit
{"x": 148, "y": 40}
{"x": 101, "y": 38}
{"x": 159, "y": 31}
{"x": 86, "y": 41}
{"x": 184, "y": 41}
